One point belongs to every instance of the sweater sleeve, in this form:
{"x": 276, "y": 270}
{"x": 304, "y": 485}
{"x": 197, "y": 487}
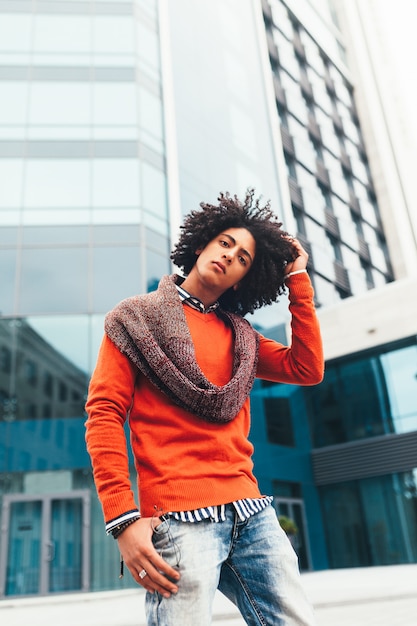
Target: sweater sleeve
{"x": 302, "y": 363}
{"x": 110, "y": 396}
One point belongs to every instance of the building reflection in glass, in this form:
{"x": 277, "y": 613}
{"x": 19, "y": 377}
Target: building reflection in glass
{"x": 42, "y": 396}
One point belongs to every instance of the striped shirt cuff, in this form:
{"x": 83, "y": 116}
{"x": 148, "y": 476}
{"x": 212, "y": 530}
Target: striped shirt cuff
{"x": 117, "y": 521}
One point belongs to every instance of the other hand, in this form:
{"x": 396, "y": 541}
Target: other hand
{"x": 147, "y": 567}
{"x": 301, "y": 261}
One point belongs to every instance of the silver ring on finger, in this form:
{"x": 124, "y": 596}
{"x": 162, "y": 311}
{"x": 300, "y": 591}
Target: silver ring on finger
{"x": 142, "y": 573}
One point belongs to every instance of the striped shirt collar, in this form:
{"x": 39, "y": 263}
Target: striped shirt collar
{"x": 195, "y": 303}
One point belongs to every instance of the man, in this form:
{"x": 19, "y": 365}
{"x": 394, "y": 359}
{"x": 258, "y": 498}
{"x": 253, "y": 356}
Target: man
{"x": 179, "y": 364}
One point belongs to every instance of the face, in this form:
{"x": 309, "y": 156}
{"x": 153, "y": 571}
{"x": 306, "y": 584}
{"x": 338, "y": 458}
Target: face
{"x": 223, "y": 263}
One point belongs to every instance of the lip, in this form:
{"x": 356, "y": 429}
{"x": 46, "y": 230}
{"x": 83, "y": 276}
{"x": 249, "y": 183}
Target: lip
{"x": 220, "y": 266}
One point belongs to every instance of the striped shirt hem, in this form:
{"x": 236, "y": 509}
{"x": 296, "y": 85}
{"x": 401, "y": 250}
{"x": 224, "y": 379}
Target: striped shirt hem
{"x": 244, "y": 509}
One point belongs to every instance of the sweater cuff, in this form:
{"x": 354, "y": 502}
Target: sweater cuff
{"x": 303, "y": 271}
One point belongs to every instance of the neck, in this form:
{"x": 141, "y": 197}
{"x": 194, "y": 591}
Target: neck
{"x": 197, "y": 290}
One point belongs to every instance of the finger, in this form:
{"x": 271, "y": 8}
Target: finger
{"x": 152, "y": 580}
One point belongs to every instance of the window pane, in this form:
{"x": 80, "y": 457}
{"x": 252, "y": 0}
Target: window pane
{"x": 8, "y": 263}
{"x": 116, "y": 275}
{"x": 154, "y": 190}
{"x": 15, "y": 33}
{"x": 54, "y": 281}
{"x": 148, "y": 50}
{"x": 60, "y": 103}
{"x": 113, "y": 34}
{"x": 114, "y": 104}
{"x": 116, "y": 183}
{"x": 156, "y": 267}
{"x": 60, "y": 183}
{"x": 13, "y": 102}
{"x": 150, "y": 113}
{"x": 11, "y": 177}
{"x": 401, "y": 381}
{"x": 69, "y": 33}
{"x": 66, "y": 335}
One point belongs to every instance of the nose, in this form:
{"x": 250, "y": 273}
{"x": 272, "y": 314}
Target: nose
{"x": 228, "y": 256}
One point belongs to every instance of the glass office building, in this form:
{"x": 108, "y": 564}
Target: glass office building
{"x": 115, "y": 118}
{"x": 83, "y": 223}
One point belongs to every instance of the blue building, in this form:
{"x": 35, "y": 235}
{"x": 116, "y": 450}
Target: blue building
{"x": 116, "y": 119}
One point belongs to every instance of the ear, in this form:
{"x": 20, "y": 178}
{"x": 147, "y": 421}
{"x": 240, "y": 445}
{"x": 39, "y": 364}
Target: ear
{"x": 198, "y": 251}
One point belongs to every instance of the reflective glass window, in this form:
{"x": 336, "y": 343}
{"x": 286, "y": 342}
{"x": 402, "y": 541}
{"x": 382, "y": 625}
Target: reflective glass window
{"x": 8, "y": 234}
{"x": 278, "y": 419}
{"x": 304, "y": 149}
{"x": 281, "y": 19}
{"x": 15, "y": 33}
{"x": 328, "y": 135}
{"x": 113, "y": 33}
{"x": 378, "y": 258}
{"x": 370, "y": 395}
{"x": 377, "y": 278}
{"x": 114, "y": 103}
{"x": 358, "y": 281}
{"x": 295, "y": 101}
{"x": 62, "y": 33}
{"x": 314, "y": 202}
{"x": 349, "y": 127}
{"x": 58, "y": 103}
{"x": 157, "y": 265}
{"x": 115, "y": 183}
{"x": 322, "y": 251}
{"x": 55, "y": 235}
{"x": 115, "y": 234}
{"x": 11, "y": 177}
{"x": 13, "y": 103}
{"x": 8, "y": 263}
{"x": 54, "y": 281}
{"x": 321, "y": 95}
{"x": 359, "y": 170}
{"x": 325, "y": 291}
{"x": 312, "y": 53}
{"x": 348, "y": 233}
{"x": 148, "y": 49}
{"x": 287, "y": 58}
{"x": 371, "y": 522}
{"x": 116, "y": 275}
{"x": 150, "y": 115}
{"x": 369, "y": 212}
{"x": 154, "y": 193}
{"x": 57, "y": 183}
{"x": 155, "y": 223}
{"x": 54, "y": 353}
{"x": 96, "y": 336}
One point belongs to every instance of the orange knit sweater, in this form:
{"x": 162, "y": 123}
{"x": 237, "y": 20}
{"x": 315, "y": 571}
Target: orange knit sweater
{"x": 183, "y": 462}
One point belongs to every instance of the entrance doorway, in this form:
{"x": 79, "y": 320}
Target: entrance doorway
{"x": 45, "y": 543}
{"x": 294, "y": 509}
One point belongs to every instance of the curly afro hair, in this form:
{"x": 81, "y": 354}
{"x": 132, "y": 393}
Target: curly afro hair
{"x": 264, "y": 282}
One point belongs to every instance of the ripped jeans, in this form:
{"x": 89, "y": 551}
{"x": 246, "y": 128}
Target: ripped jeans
{"x": 252, "y": 563}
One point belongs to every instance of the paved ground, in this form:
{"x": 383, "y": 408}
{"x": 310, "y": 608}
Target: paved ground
{"x": 378, "y": 596}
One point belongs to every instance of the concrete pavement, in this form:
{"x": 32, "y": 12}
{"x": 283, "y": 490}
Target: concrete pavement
{"x": 377, "y": 596}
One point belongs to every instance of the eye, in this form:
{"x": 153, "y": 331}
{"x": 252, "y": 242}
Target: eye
{"x": 224, "y": 243}
{"x": 242, "y": 260}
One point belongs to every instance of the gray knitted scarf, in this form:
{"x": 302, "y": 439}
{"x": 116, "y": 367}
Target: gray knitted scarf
{"x": 151, "y": 330}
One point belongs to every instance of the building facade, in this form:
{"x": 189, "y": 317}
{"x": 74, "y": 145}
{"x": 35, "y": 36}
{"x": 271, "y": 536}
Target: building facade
{"x": 118, "y": 117}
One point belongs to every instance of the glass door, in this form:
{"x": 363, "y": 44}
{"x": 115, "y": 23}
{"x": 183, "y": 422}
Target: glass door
{"x": 294, "y": 509}
{"x": 45, "y": 544}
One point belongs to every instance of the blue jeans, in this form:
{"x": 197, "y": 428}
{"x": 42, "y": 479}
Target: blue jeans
{"x": 252, "y": 563}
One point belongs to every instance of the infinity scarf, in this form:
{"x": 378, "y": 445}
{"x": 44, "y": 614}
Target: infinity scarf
{"x": 151, "y": 330}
